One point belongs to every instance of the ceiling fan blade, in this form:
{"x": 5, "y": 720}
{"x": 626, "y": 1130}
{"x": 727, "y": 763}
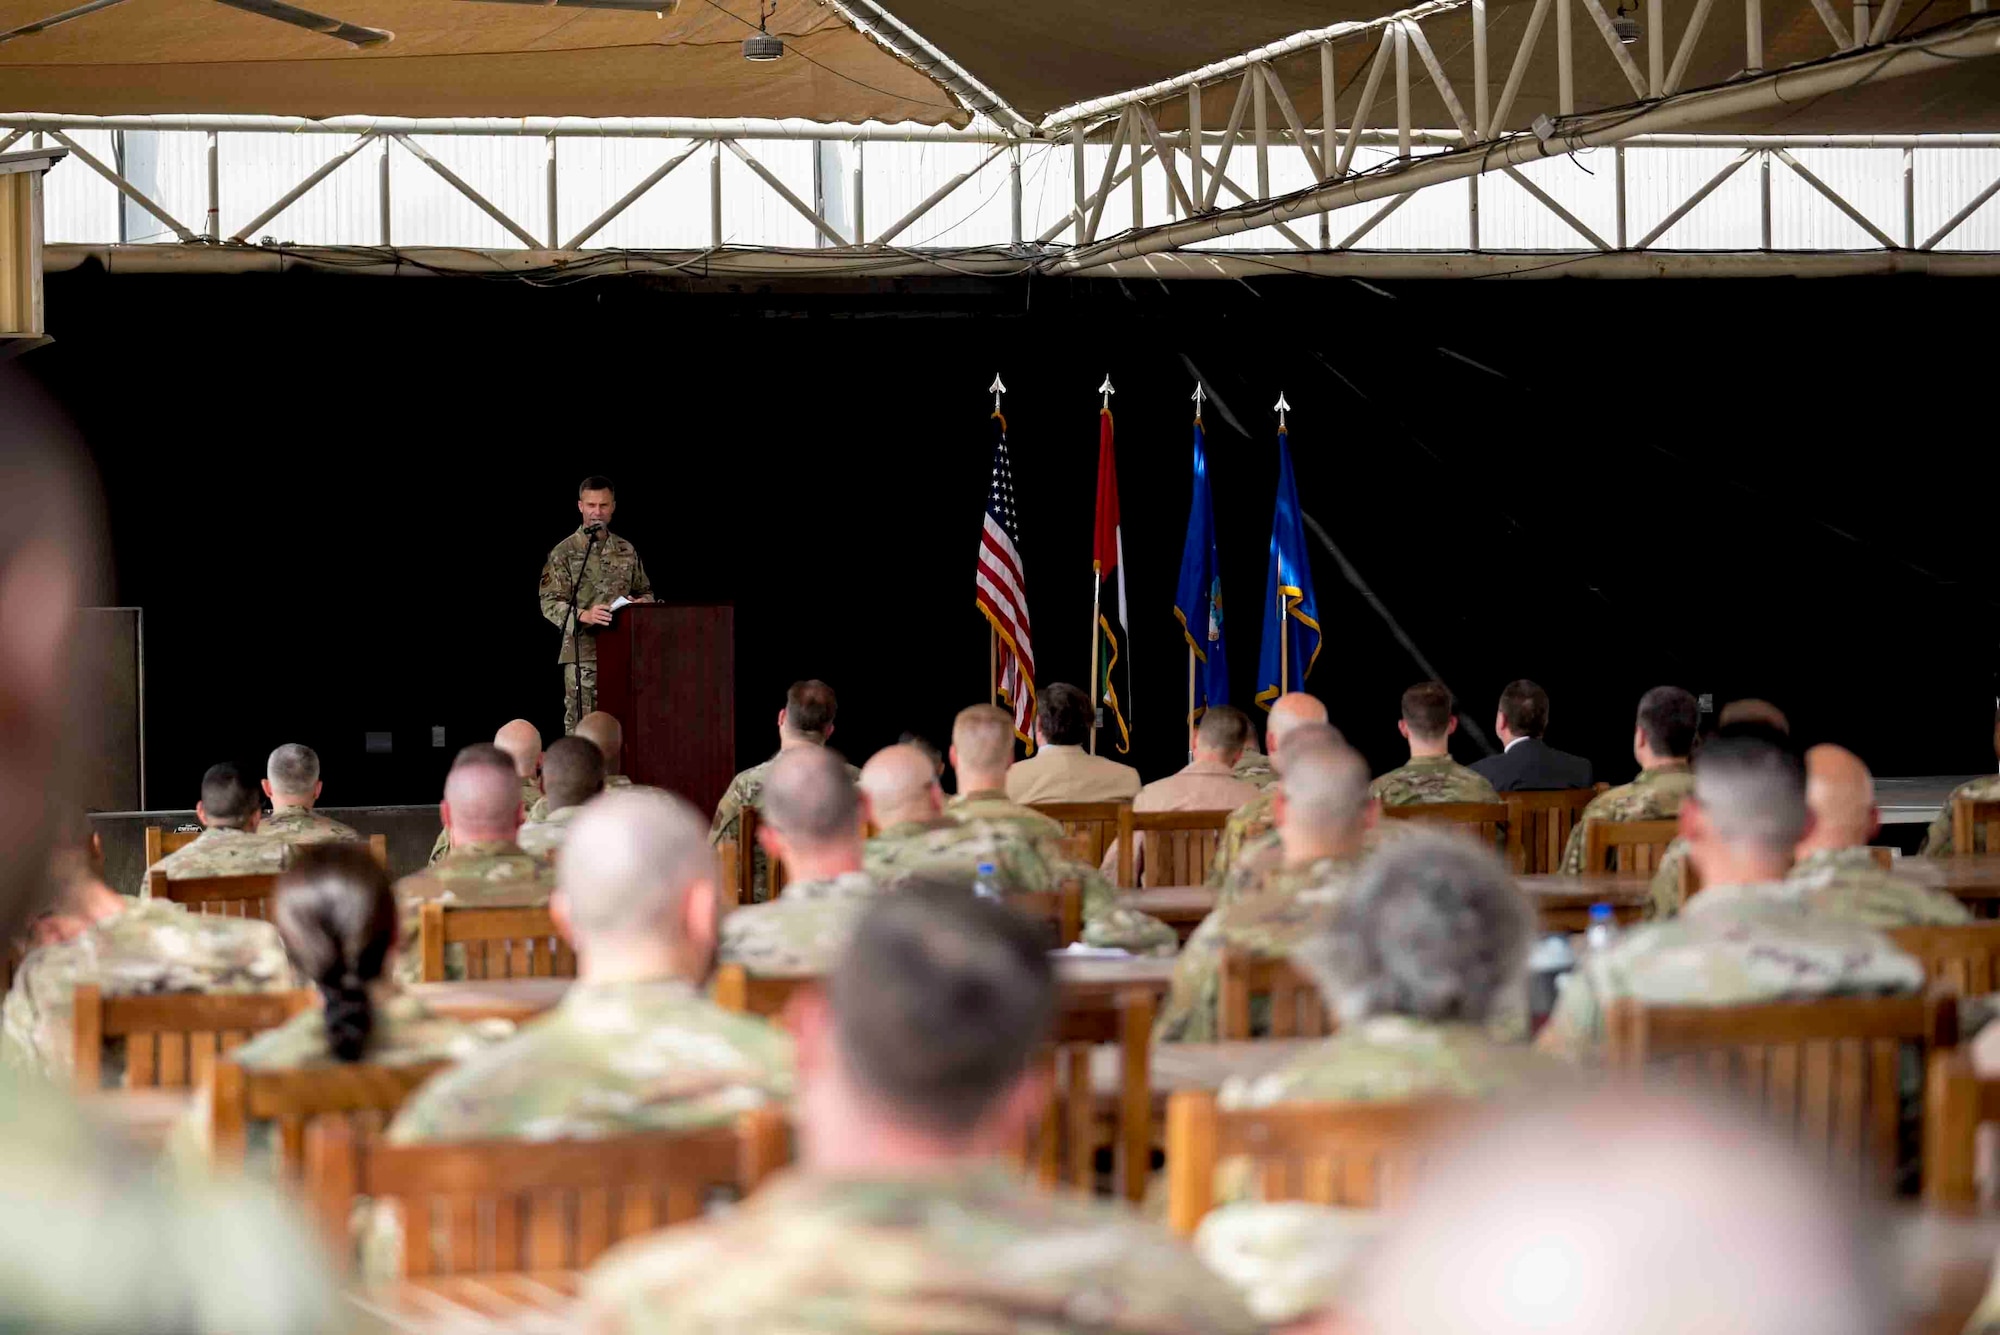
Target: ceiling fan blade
{"x": 42, "y": 25}
{"x": 662, "y": 7}
{"x": 351, "y": 33}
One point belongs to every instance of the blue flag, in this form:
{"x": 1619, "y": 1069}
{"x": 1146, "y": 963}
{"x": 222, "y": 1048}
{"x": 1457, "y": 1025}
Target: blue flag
{"x": 1198, "y": 603}
{"x": 1290, "y": 579}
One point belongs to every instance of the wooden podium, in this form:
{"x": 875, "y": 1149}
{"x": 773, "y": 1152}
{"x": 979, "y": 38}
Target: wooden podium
{"x": 667, "y": 672}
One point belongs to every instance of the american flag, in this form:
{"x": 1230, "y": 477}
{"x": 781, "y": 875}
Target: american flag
{"x": 1001, "y": 589}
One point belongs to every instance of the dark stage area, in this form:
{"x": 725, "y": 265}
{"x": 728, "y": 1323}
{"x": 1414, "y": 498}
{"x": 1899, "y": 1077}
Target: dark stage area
{"x": 332, "y": 495}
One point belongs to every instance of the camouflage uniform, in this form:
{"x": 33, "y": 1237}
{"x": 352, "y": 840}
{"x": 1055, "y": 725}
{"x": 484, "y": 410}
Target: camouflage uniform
{"x": 1247, "y": 824}
{"x": 1655, "y": 795}
{"x": 803, "y": 931}
{"x": 993, "y": 805}
{"x": 970, "y": 1251}
{"x": 545, "y": 834}
{"x": 303, "y": 825}
{"x": 538, "y": 810}
{"x": 1846, "y": 885}
{"x": 220, "y": 851}
{"x": 1665, "y": 887}
{"x": 956, "y": 848}
{"x": 1731, "y": 946}
{"x": 151, "y": 947}
{"x": 495, "y": 875}
{"x": 1937, "y": 839}
{"x": 744, "y": 791}
{"x": 93, "y": 1241}
{"x": 1255, "y": 767}
{"x": 531, "y": 802}
{"x": 1393, "y": 1057}
{"x": 610, "y": 1059}
{"x": 1431, "y": 779}
{"x": 614, "y": 572}
{"x": 1292, "y": 905}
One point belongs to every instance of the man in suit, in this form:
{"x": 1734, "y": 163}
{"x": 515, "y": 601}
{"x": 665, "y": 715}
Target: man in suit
{"x": 1061, "y": 770}
{"x": 1529, "y": 764}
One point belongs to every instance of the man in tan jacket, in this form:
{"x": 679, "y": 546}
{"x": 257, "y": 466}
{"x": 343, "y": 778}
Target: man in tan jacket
{"x": 1208, "y": 783}
{"x": 1061, "y": 770}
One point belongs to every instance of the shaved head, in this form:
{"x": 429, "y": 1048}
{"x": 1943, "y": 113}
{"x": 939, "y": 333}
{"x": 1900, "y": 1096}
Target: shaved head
{"x": 810, "y": 799}
{"x": 1326, "y": 781}
{"x": 483, "y": 796}
{"x": 523, "y": 741}
{"x": 629, "y": 862}
{"x": 607, "y": 732}
{"x": 900, "y": 785}
{"x": 1288, "y": 711}
{"x": 1560, "y": 1221}
{"x": 1840, "y": 793}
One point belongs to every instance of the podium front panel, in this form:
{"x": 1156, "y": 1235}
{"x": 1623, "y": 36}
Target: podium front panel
{"x": 667, "y": 672}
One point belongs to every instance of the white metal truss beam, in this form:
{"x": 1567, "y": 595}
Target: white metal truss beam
{"x": 874, "y": 21}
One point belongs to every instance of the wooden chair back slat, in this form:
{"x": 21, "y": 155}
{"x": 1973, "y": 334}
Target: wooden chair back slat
{"x": 1957, "y": 1102}
{"x": 498, "y": 942}
{"x": 1626, "y": 848}
{"x": 170, "y": 1040}
{"x": 1824, "y": 1073}
{"x": 1060, "y": 908}
{"x": 1545, "y": 820}
{"x": 1975, "y": 826}
{"x": 161, "y": 841}
{"x": 1179, "y": 845}
{"x": 729, "y": 883}
{"x": 498, "y": 1206}
{"x": 1491, "y": 823}
{"x": 1103, "y": 825}
{"x": 1963, "y": 958}
{"x": 229, "y": 896}
{"x": 1357, "y": 1155}
{"x": 1297, "y": 1009}
{"x": 293, "y": 1098}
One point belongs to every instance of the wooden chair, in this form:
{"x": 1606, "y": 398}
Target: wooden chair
{"x": 737, "y": 989}
{"x": 729, "y": 876}
{"x": 1825, "y": 1073}
{"x": 293, "y": 1098}
{"x": 747, "y": 821}
{"x": 378, "y": 845}
{"x": 1297, "y": 1009}
{"x": 1627, "y": 847}
{"x": 486, "y": 1207}
{"x": 1102, "y": 824}
{"x": 1544, "y": 821}
{"x": 1175, "y": 847}
{"x": 1491, "y": 822}
{"x": 1964, "y": 959}
{"x": 1957, "y": 1102}
{"x": 1361, "y": 1155}
{"x": 161, "y": 841}
{"x": 498, "y": 942}
{"x": 1975, "y": 826}
{"x": 226, "y": 896}
{"x": 1061, "y": 908}
{"x": 171, "y": 1040}
{"x": 1066, "y": 1146}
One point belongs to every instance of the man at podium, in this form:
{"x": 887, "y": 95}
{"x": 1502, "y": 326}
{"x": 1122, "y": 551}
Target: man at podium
{"x": 588, "y": 575}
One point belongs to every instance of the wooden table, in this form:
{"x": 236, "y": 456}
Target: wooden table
{"x": 1177, "y": 1066}
{"x": 1181, "y": 907}
{"x": 1562, "y": 903}
{"x": 529, "y": 1303}
{"x": 1106, "y": 975}
{"x": 1973, "y": 880}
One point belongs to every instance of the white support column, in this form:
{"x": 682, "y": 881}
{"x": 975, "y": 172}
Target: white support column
{"x": 1618, "y": 189}
{"x": 549, "y": 186}
{"x": 1885, "y": 21}
{"x": 1764, "y": 200}
{"x": 1617, "y": 48}
{"x": 859, "y": 177}
{"x": 632, "y": 196}
{"x": 212, "y": 226}
{"x": 1753, "y": 36}
{"x": 1366, "y": 106}
{"x": 1294, "y": 122}
{"x": 1402, "y": 90}
{"x": 1445, "y": 91}
{"x": 1481, "y": 124}
{"x": 1834, "y": 27}
{"x": 1138, "y": 169}
{"x": 382, "y": 189}
{"x": 1104, "y": 184}
{"x": 715, "y": 198}
{"x": 1013, "y": 196}
{"x": 1522, "y": 54}
{"x": 1262, "y": 128}
{"x": 1471, "y": 212}
{"x": 1565, "y": 60}
{"x": 1656, "y": 46}
{"x": 1082, "y": 189}
{"x": 1909, "y": 198}
{"x": 1196, "y": 199}
{"x": 1861, "y": 24}
{"x": 1164, "y": 152}
{"x": 1329, "y": 86}
{"x": 1229, "y": 134}
{"x": 1685, "y": 51}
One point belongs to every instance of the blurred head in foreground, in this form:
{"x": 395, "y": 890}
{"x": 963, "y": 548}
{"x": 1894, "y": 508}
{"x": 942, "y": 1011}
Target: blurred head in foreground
{"x": 920, "y": 1052}
{"x": 1624, "y": 1214}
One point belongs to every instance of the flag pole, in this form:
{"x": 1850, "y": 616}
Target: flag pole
{"x": 1096, "y": 609}
{"x": 1284, "y": 631}
{"x": 1191, "y": 670}
{"x": 992, "y": 635}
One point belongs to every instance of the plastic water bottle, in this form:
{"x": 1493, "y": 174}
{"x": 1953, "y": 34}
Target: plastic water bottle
{"x": 986, "y": 883}
{"x": 1603, "y": 929}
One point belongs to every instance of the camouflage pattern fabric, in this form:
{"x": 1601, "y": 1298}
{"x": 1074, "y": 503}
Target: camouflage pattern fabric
{"x": 493, "y": 875}
{"x": 1291, "y": 906}
{"x": 968, "y": 1252}
{"x": 1257, "y": 860}
{"x": 152, "y": 947}
{"x": 1431, "y": 779}
{"x": 531, "y": 801}
{"x": 93, "y": 1241}
{"x": 744, "y": 791}
{"x": 303, "y": 825}
{"x": 544, "y": 835}
{"x": 613, "y": 572}
{"x": 955, "y": 848}
{"x": 610, "y": 1059}
{"x": 803, "y": 931}
{"x": 1393, "y": 1057}
{"x": 1839, "y": 884}
{"x": 538, "y": 809}
{"x": 1731, "y": 946}
{"x": 992, "y": 805}
{"x": 1655, "y": 795}
{"x": 220, "y": 851}
{"x": 1937, "y": 839}
{"x": 1248, "y": 823}
{"x": 1255, "y": 767}
{"x": 1665, "y": 887}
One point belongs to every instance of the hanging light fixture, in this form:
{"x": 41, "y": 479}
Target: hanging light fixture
{"x": 1625, "y": 25}
{"x": 763, "y": 46}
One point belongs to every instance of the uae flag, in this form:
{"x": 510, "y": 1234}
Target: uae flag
{"x": 1114, "y": 658}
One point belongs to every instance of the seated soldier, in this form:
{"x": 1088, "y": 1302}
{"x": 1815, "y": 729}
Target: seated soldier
{"x": 915, "y": 838}
{"x": 1207, "y": 783}
{"x": 337, "y": 914}
{"x": 1061, "y": 770}
{"x": 229, "y": 844}
{"x": 572, "y": 774}
{"x": 1669, "y": 873}
{"x": 1253, "y": 766}
{"x": 1662, "y": 738}
{"x": 908, "y": 1210}
{"x": 1747, "y": 937}
{"x": 1250, "y": 824}
{"x": 482, "y": 813}
{"x": 1323, "y": 812}
{"x": 1937, "y": 839}
{"x": 1431, "y": 775}
{"x": 522, "y": 741}
{"x": 291, "y": 781}
{"x": 806, "y": 720}
{"x": 633, "y": 1046}
{"x": 127, "y": 948}
{"x": 812, "y": 824}
{"x": 609, "y": 735}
